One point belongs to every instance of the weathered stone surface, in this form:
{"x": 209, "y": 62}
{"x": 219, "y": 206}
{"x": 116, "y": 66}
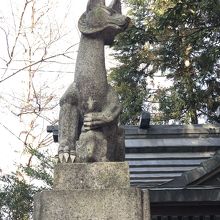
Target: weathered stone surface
{"x": 91, "y": 147}
{"x": 92, "y": 191}
{"x": 89, "y": 107}
{"x": 91, "y": 176}
{"x": 108, "y": 204}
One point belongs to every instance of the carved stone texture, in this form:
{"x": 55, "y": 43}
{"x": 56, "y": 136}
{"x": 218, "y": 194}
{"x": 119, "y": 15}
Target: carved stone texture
{"x": 92, "y": 191}
{"x": 108, "y": 204}
{"x": 89, "y": 107}
{"x": 91, "y": 176}
{"x": 91, "y": 147}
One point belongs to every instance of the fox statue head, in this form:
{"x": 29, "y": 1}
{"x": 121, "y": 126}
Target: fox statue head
{"x": 103, "y": 21}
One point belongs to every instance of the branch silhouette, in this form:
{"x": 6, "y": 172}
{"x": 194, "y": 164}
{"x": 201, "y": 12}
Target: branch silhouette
{"x": 35, "y": 63}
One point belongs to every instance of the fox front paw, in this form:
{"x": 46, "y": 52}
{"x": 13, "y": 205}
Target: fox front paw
{"x": 66, "y": 155}
{"x": 96, "y": 120}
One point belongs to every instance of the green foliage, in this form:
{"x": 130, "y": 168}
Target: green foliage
{"x": 16, "y": 198}
{"x": 190, "y": 33}
{"x": 17, "y": 190}
{"x": 181, "y": 39}
{"x": 43, "y": 168}
{"x": 129, "y": 79}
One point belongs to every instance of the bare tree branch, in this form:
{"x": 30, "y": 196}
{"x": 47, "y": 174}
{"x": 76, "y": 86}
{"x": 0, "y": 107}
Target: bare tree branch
{"x": 11, "y": 55}
{"x": 32, "y": 64}
{"x": 10, "y": 131}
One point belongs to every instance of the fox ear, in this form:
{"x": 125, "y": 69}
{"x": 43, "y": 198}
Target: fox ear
{"x": 116, "y": 5}
{"x": 94, "y": 3}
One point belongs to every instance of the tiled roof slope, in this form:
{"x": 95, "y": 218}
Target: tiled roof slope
{"x": 207, "y": 173}
{"x": 170, "y": 155}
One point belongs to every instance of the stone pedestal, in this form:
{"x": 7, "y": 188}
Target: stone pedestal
{"x": 96, "y": 191}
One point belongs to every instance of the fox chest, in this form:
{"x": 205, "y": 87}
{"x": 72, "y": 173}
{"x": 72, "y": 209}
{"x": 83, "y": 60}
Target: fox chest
{"x": 92, "y": 95}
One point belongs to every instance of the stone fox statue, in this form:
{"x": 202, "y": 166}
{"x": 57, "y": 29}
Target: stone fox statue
{"x": 88, "y": 130}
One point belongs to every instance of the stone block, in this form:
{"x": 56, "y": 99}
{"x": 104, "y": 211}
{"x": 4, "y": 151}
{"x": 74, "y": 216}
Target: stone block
{"x": 91, "y": 176}
{"x": 92, "y": 191}
{"x": 94, "y": 204}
